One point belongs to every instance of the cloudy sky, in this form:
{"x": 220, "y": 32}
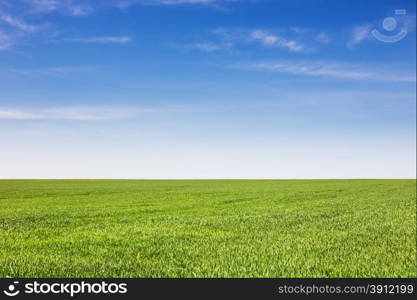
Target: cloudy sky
{"x": 207, "y": 89}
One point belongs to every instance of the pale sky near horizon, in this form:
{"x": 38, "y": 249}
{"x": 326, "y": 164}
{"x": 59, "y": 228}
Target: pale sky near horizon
{"x": 200, "y": 89}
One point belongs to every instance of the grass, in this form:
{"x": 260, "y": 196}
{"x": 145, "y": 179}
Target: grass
{"x": 222, "y": 228}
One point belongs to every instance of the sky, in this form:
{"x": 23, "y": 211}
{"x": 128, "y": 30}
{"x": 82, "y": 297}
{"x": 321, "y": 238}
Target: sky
{"x": 198, "y": 89}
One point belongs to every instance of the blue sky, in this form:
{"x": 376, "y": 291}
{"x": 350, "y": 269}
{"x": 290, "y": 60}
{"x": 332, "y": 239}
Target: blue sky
{"x": 207, "y": 89}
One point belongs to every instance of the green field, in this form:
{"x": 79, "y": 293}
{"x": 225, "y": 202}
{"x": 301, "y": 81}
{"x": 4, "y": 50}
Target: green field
{"x": 219, "y": 228}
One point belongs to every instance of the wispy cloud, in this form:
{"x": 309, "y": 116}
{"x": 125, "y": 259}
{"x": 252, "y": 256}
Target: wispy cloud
{"x": 271, "y": 40}
{"x": 15, "y": 13}
{"x": 299, "y": 30}
{"x": 323, "y": 38}
{"x": 177, "y": 2}
{"x": 359, "y": 34}
{"x": 15, "y": 22}
{"x": 102, "y": 40}
{"x": 126, "y": 3}
{"x": 331, "y": 70}
{"x": 72, "y": 113}
{"x": 235, "y": 36}
{"x": 5, "y": 41}
{"x": 86, "y": 7}
{"x": 50, "y": 71}
{"x": 12, "y": 28}
{"x": 264, "y": 37}
{"x": 68, "y": 7}
{"x": 204, "y": 46}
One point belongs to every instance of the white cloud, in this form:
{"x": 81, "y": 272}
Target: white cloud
{"x": 102, "y": 39}
{"x": 68, "y": 7}
{"x": 360, "y": 33}
{"x": 41, "y": 6}
{"x": 17, "y": 115}
{"x": 71, "y": 113}
{"x": 176, "y": 2}
{"x": 5, "y": 41}
{"x": 85, "y": 7}
{"x": 51, "y": 71}
{"x": 17, "y": 23}
{"x": 264, "y": 38}
{"x": 299, "y": 30}
{"x": 273, "y": 40}
{"x": 126, "y": 3}
{"x": 329, "y": 69}
{"x": 16, "y": 12}
{"x": 12, "y": 29}
{"x": 323, "y": 38}
{"x": 204, "y": 46}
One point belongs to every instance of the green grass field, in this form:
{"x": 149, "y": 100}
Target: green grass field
{"x": 222, "y": 228}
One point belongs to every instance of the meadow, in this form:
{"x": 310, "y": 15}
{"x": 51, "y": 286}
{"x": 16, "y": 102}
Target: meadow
{"x": 208, "y": 228}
